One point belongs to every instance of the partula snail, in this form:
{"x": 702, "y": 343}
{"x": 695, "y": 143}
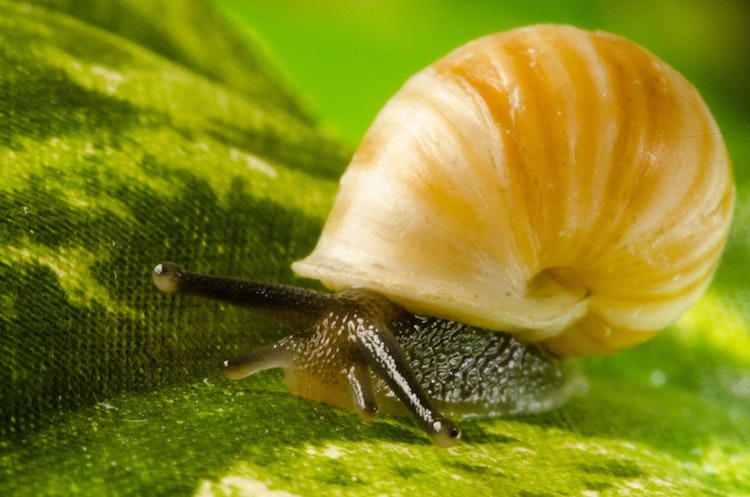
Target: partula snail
{"x": 563, "y": 187}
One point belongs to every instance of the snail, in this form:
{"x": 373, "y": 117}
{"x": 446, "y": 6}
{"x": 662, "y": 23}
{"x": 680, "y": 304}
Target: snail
{"x": 535, "y": 195}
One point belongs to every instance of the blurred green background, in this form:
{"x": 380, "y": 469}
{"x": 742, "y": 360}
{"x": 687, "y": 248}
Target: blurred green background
{"x": 674, "y": 411}
{"x": 347, "y": 57}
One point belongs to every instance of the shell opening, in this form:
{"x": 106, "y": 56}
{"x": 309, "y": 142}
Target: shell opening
{"x": 550, "y": 285}
{"x": 549, "y": 281}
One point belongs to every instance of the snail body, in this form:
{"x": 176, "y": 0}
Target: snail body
{"x": 564, "y": 188}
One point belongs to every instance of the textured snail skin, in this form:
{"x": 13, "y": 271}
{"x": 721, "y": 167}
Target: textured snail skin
{"x": 564, "y": 185}
{"x": 359, "y": 351}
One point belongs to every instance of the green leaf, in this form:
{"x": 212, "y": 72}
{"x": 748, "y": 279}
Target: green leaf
{"x": 169, "y": 29}
{"x": 116, "y": 155}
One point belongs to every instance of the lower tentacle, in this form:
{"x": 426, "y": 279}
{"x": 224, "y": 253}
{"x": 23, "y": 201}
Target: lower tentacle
{"x": 247, "y": 364}
{"x": 362, "y": 392}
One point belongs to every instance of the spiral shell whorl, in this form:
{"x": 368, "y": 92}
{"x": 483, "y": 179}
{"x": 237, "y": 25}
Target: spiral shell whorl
{"x": 562, "y": 184}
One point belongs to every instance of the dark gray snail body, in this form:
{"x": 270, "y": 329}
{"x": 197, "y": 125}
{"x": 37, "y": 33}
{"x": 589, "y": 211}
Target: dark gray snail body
{"x": 566, "y": 187}
{"x": 359, "y": 351}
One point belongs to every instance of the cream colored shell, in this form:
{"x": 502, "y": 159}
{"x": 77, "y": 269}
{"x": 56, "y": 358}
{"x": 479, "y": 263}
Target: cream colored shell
{"x": 562, "y": 184}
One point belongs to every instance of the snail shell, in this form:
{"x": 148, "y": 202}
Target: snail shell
{"x": 564, "y": 185}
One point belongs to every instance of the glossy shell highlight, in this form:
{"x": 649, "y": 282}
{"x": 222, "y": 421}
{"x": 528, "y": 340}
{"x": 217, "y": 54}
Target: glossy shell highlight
{"x": 561, "y": 184}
